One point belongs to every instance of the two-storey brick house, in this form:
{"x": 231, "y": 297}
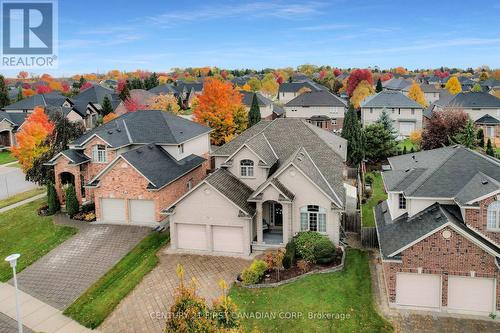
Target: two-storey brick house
{"x": 439, "y": 231}
{"x": 134, "y": 165}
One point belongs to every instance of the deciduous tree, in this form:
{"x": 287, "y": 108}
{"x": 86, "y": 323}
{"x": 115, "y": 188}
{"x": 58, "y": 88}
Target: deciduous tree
{"x": 85, "y": 86}
{"x": 166, "y": 102}
{"x": 356, "y": 77}
{"x": 110, "y": 116}
{"x": 453, "y": 85}
{"x": 442, "y": 126}
{"x": 43, "y": 89}
{"x": 476, "y": 88}
{"x": 255, "y": 84}
{"x": 415, "y": 93}
{"x": 363, "y": 90}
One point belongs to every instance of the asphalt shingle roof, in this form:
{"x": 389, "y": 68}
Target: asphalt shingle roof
{"x": 487, "y": 119}
{"x": 474, "y": 100}
{"x": 158, "y": 166}
{"x": 296, "y": 86}
{"x": 396, "y": 84}
{"x": 75, "y": 156}
{"x": 389, "y": 99}
{"x": 17, "y": 118}
{"x": 149, "y": 126}
{"x": 29, "y": 103}
{"x": 317, "y": 98}
{"x": 248, "y": 98}
{"x": 232, "y": 188}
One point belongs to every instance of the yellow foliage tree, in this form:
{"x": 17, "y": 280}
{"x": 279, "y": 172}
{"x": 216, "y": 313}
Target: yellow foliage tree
{"x": 109, "y": 117}
{"x": 255, "y": 84}
{"x": 453, "y": 86}
{"x": 246, "y": 87}
{"x": 415, "y": 93}
{"x": 166, "y": 102}
{"x": 363, "y": 90}
{"x": 416, "y": 137}
{"x": 269, "y": 85}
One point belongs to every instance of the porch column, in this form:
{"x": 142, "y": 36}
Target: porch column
{"x": 11, "y": 139}
{"x": 286, "y": 222}
{"x": 260, "y": 232}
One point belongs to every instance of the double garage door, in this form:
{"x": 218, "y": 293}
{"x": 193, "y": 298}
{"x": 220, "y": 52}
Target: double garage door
{"x": 465, "y": 294}
{"x": 141, "y": 212}
{"x": 197, "y": 236}
{"x": 406, "y": 127}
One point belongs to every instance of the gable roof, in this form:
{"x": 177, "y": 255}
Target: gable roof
{"x": 439, "y": 173}
{"x": 323, "y": 162}
{"x": 296, "y": 86}
{"x": 474, "y": 100}
{"x": 488, "y": 120}
{"x": 164, "y": 89}
{"x": 95, "y": 94}
{"x": 74, "y": 156}
{"x": 141, "y": 127}
{"x": 248, "y": 98}
{"x": 317, "y": 98}
{"x": 16, "y": 118}
{"x": 389, "y": 99}
{"x": 396, "y": 84}
{"x": 29, "y": 103}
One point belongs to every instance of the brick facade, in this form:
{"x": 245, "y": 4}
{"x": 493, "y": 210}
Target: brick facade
{"x": 328, "y": 124}
{"x": 61, "y": 167}
{"x": 477, "y": 218}
{"x": 123, "y": 181}
{"x": 437, "y": 255}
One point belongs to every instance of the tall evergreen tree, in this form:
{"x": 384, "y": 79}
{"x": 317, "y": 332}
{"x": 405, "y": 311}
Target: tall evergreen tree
{"x": 386, "y": 121}
{"x": 107, "y": 107}
{"x": 180, "y": 103}
{"x": 254, "y": 113}
{"x": 489, "y": 148}
{"x": 379, "y": 88}
{"x": 72, "y": 206}
{"x": 52, "y": 199}
{"x": 380, "y": 143}
{"x": 125, "y": 93}
{"x": 468, "y": 136}
{"x": 153, "y": 81}
{"x": 480, "y": 137}
{"x": 353, "y": 133}
{"x": 4, "y": 94}
{"x": 19, "y": 94}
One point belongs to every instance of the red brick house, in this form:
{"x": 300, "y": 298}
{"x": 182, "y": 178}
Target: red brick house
{"x": 439, "y": 231}
{"x": 134, "y": 166}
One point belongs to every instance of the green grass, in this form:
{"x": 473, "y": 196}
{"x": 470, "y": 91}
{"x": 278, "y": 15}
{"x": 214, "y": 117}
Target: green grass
{"x": 377, "y": 195}
{"x": 345, "y": 293}
{"x": 408, "y": 144}
{"x": 6, "y": 157}
{"x": 23, "y": 231}
{"x": 92, "y": 307}
{"x": 21, "y": 196}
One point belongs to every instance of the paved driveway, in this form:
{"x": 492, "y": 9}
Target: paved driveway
{"x": 12, "y": 181}
{"x": 66, "y": 272}
{"x": 143, "y": 308}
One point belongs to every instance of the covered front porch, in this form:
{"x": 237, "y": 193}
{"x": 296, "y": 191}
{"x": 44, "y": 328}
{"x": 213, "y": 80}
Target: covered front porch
{"x": 271, "y": 225}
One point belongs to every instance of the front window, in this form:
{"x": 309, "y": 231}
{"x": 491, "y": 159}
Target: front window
{"x": 402, "y": 201}
{"x": 490, "y": 131}
{"x": 313, "y": 218}
{"x": 494, "y": 215}
{"x": 246, "y": 168}
{"x": 99, "y": 154}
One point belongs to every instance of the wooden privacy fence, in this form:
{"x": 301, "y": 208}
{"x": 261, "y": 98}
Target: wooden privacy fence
{"x": 351, "y": 222}
{"x": 369, "y": 237}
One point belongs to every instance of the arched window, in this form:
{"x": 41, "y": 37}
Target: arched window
{"x": 313, "y": 218}
{"x": 494, "y": 215}
{"x": 246, "y": 168}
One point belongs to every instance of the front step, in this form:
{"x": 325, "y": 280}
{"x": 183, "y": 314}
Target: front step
{"x": 262, "y": 247}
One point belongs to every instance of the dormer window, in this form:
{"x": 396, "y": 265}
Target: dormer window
{"x": 246, "y": 168}
{"x": 402, "y": 201}
{"x": 494, "y": 216}
{"x": 99, "y": 154}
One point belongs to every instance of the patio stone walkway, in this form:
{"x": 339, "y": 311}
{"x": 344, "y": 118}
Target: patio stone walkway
{"x": 145, "y": 308}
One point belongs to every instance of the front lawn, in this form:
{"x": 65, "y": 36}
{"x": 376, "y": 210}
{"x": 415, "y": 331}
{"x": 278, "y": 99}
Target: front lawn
{"x": 21, "y": 196}
{"x": 346, "y": 296}
{"x": 6, "y": 157}
{"x": 377, "y": 195}
{"x": 23, "y": 231}
{"x": 92, "y": 307}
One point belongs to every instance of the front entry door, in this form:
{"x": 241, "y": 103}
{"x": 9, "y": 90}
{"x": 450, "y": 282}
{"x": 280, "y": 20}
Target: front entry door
{"x": 278, "y": 215}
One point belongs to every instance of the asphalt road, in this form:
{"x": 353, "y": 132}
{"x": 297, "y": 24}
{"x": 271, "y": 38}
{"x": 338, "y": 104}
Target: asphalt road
{"x": 12, "y": 181}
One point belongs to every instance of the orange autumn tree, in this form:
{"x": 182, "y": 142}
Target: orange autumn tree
{"x": 31, "y": 137}
{"x": 216, "y": 107}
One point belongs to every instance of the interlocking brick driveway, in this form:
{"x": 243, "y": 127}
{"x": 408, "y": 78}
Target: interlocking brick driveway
{"x": 63, "y": 274}
{"x": 9, "y": 325}
{"x": 138, "y": 311}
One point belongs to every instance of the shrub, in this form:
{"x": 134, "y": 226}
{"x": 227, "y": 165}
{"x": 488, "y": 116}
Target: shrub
{"x": 306, "y": 243}
{"x": 290, "y": 254}
{"x": 325, "y": 251}
{"x": 71, "y": 201}
{"x": 52, "y": 199}
{"x": 253, "y": 274}
{"x": 369, "y": 179}
{"x": 304, "y": 266}
{"x": 368, "y": 192}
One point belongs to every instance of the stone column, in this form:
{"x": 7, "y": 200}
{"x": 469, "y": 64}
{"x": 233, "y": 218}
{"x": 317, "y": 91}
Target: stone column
{"x": 286, "y": 222}
{"x": 260, "y": 232}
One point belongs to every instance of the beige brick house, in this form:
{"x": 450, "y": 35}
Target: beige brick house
{"x": 275, "y": 179}
{"x": 439, "y": 231}
{"x": 134, "y": 166}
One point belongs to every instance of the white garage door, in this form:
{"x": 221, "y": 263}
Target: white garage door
{"x": 228, "y": 239}
{"x": 418, "y": 290}
{"x": 142, "y": 211}
{"x": 113, "y": 210}
{"x": 471, "y": 294}
{"x": 191, "y": 236}
{"x": 405, "y": 128}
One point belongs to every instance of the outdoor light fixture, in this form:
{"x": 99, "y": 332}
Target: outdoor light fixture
{"x": 12, "y": 259}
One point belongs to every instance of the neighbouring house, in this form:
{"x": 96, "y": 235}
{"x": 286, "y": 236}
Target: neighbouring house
{"x": 266, "y": 106}
{"x": 320, "y": 108}
{"x": 10, "y": 124}
{"x": 28, "y": 104}
{"x": 439, "y": 233}
{"x": 482, "y": 108}
{"x": 432, "y": 93}
{"x": 274, "y": 180}
{"x": 397, "y": 84}
{"x": 134, "y": 165}
{"x": 491, "y": 86}
{"x": 404, "y": 112}
{"x": 185, "y": 90}
{"x": 289, "y": 90}
{"x": 140, "y": 97}
{"x": 88, "y": 103}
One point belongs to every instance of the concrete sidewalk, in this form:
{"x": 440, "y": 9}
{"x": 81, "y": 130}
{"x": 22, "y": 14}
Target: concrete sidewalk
{"x": 20, "y": 203}
{"x": 36, "y": 315}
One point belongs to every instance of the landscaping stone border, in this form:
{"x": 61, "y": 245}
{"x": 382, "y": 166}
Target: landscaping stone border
{"x": 316, "y": 271}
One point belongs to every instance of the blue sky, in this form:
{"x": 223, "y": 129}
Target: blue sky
{"x": 96, "y": 36}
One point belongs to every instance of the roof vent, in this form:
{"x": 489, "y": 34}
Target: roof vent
{"x": 150, "y": 146}
{"x": 484, "y": 181}
{"x": 437, "y": 216}
{"x": 110, "y": 132}
{"x": 299, "y": 158}
{"x": 407, "y": 170}
{"x": 118, "y": 130}
{"x": 139, "y": 151}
